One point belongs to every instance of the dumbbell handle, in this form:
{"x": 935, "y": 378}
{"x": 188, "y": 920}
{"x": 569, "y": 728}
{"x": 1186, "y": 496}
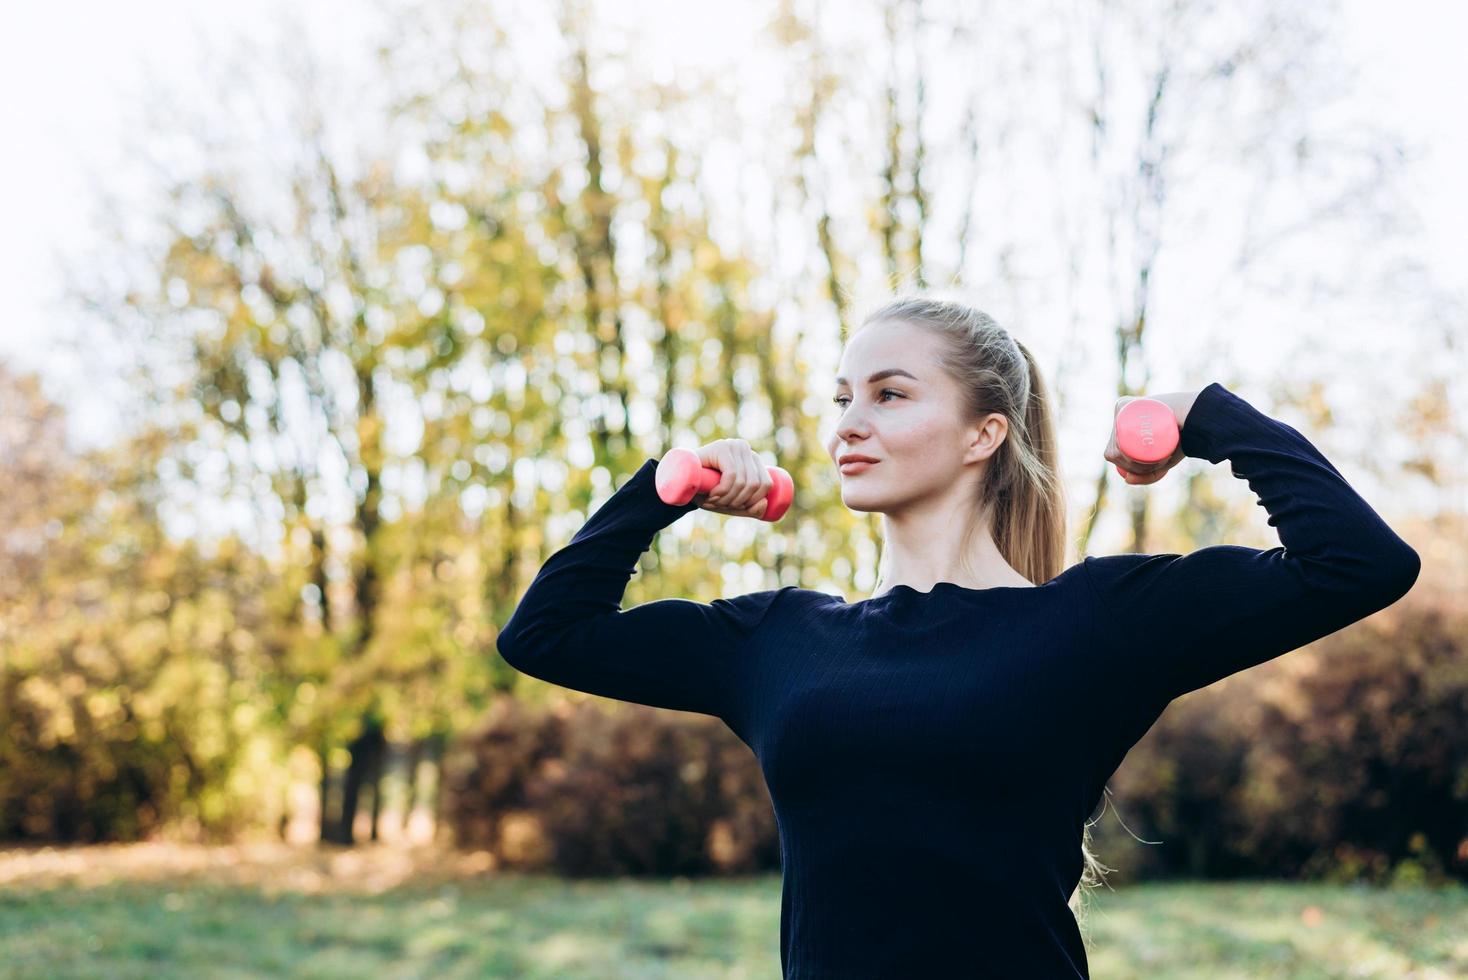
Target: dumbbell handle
{"x": 681, "y": 476}
{"x": 1146, "y": 431}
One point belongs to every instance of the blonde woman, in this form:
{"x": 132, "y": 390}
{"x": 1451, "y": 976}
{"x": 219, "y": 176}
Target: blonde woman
{"x": 935, "y": 750}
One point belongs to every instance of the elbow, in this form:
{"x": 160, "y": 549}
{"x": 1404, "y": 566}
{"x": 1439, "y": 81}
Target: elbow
{"x": 508, "y": 645}
{"x": 1399, "y": 575}
{"x": 525, "y": 647}
{"x": 516, "y": 638}
{"x": 1411, "y": 568}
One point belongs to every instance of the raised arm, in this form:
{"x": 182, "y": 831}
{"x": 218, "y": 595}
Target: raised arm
{"x": 1169, "y": 624}
{"x": 569, "y": 627}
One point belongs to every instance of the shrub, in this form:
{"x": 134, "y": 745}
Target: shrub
{"x": 1344, "y": 761}
{"x": 583, "y": 789}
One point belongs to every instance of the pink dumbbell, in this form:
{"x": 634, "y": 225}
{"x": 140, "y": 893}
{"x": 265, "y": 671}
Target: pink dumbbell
{"x": 1146, "y": 431}
{"x": 680, "y": 477}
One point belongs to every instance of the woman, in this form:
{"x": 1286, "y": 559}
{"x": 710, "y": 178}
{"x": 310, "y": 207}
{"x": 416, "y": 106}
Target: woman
{"x": 934, "y": 751}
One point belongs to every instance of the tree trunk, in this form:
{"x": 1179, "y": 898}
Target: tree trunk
{"x": 325, "y": 821}
{"x": 379, "y": 757}
{"x": 363, "y": 747}
{"x": 436, "y": 755}
{"x": 415, "y": 756}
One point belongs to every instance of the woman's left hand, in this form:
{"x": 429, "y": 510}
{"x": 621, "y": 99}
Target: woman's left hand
{"x": 1143, "y": 474}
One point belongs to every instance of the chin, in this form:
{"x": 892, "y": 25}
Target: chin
{"x": 864, "y": 503}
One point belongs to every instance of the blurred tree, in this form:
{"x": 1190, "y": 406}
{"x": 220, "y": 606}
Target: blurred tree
{"x": 129, "y": 663}
{"x": 305, "y": 333}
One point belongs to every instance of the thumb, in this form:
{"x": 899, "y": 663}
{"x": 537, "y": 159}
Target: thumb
{"x": 712, "y": 454}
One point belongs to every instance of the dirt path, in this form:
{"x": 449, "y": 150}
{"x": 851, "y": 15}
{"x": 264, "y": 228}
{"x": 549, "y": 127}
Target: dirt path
{"x": 368, "y": 869}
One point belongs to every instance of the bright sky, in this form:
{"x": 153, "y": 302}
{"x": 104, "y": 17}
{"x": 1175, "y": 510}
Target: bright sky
{"x": 70, "y": 68}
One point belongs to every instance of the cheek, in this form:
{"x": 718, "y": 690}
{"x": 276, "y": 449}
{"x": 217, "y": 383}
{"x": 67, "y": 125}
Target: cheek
{"x": 921, "y": 433}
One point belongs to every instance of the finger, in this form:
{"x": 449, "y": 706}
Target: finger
{"x": 1140, "y": 468}
{"x": 736, "y": 476}
{"x": 753, "y": 510}
{"x": 1163, "y": 465}
{"x": 749, "y": 493}
{"x": 710, "y": 453}
{"x": 725, "y": 465}
{"x": 708, "y": 457}
{"x": 766, "y": 482}
{"x": 736, "y": 480}
{"x": 744, "y": 496}
{"x": 758, "y": 477}
{"x": 736, "y": 472}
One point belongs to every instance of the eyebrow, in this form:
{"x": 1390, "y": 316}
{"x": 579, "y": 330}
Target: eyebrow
{"x": 884, "y": 373}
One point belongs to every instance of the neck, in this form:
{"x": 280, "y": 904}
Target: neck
{"x": 925, "y": 550}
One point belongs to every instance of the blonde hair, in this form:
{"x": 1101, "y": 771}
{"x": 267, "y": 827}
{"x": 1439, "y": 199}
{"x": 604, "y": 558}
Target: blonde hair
{"x": 1022, "y": 496}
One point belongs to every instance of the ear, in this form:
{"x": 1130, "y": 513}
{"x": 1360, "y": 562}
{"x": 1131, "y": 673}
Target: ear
{"x": 985, "y": 437}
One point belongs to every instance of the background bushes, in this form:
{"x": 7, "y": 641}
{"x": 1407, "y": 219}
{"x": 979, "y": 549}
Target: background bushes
{"x": 1347, "y": 760}
{"x": 109, "y": 784}
{"x": 589, "y": 789}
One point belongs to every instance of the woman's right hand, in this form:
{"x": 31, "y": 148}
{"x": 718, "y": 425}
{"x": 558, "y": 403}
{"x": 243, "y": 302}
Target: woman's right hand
{"x": 744, "y": 483}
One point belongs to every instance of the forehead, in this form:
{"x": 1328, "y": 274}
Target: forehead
{"x": 885, "y": 345}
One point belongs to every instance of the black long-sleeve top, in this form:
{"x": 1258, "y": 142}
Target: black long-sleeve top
{"x": 932, "y": 756}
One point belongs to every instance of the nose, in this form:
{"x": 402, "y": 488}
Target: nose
{"x": 851, "y": 427}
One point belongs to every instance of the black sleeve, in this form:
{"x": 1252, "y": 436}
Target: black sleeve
{"x": 569, "y": 628}
{"x": 1169, "y": 624}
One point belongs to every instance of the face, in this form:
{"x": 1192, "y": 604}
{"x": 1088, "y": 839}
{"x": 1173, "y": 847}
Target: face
{"x": 912, "y": 422}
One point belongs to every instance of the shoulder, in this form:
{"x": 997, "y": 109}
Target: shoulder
{"x": 796, "y": 597}
{"x": 1107, "y": 574}
{"x": 758, "y": 605}
{"x": 793, "y": 600}
{"x": 1147, "y": 579}
{"x": 1107, "y": 566}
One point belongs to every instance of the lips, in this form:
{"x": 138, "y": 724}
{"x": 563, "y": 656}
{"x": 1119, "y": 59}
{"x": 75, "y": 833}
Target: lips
{"x": 854, "y": 465}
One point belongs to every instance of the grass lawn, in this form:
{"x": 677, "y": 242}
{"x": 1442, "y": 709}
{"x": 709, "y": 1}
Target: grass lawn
{"x": 168, "y": 911}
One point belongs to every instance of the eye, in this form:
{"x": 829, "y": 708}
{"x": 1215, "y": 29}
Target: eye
{"x": 885, "y": 391}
